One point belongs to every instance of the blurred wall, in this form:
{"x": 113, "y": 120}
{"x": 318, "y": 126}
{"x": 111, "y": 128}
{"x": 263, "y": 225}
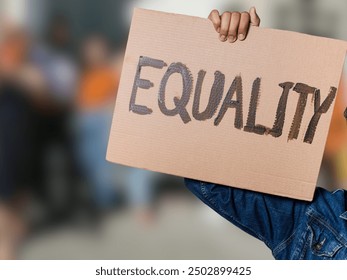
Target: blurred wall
{"x": 86, "y": 16}
{"x": 318, "y": 17}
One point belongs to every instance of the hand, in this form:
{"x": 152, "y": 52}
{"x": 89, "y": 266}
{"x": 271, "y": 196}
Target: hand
{"x": 234, "y": 25}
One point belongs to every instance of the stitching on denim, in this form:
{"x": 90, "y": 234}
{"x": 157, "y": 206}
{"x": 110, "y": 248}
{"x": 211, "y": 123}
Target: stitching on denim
{"x": 226, "y": 216}
{"x": 338, "y": 236}
{"x": 204, "y": 192}
{"x": 343, "y": 215}
{"x": 284, "y": 243}
{"x": 325, "y": 254}
{"x": 335, "y": 191}
{"x": 306, "y": 245}
{"x": 301, "y": 247}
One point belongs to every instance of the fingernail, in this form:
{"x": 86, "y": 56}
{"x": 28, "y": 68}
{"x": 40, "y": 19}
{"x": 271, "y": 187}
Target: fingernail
{"x": 241, "y": 37}
{"x": 231, "y": 39}
{"x": 222, "y": 38}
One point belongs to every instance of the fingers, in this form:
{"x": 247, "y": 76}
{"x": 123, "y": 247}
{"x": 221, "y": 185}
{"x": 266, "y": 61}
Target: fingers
{"x": 255, "y": 20}
{"x": 215, "y": 18}
{"x": 224, "y": 27}
{"x": 233, "y": 27}
{"x": 243, "y": 26}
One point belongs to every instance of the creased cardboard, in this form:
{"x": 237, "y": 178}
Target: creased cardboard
{"x": 254, "y": 114}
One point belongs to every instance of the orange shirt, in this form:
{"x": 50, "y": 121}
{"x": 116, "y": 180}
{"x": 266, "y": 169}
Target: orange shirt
{"x": 98, "y": 87}
{"x": 12, "y": 54}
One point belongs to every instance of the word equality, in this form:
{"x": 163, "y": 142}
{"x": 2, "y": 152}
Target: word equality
{"x": 232, "y": 100}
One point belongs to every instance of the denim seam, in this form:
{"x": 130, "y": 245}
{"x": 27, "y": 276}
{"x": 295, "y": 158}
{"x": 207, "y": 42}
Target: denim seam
{"x": 343, "y": 216}
{"x": 300, "y": 249}
{"x": 334, "y": 250}
{"x": 306, "y": 245}
{"x": 225, "y": 215}
{"x": 338, "y": 236}
{"x": 338, "y": 190}
{"x": 284, "y": 244}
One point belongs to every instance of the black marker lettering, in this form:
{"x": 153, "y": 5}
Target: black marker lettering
{"x": 277, "y": 128}
{"x": 252, "y": 112}
{"x": 319, "y": 109}
{"x": 215, "y": 96}
{"x": 303, "y": 90}
{"x": 142, "y": 83}
{"x": 236, "y": 86}
{"x": 182, "y": 102}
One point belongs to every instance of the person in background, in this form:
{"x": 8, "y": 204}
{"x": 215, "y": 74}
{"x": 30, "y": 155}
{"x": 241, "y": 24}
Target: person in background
{"x": 95, "y": 100}
{"x": 57, "y": 163}
{"x": 54, "y": 56}
{"x": 292, "y": 229}
{"x": 22, "y": 89}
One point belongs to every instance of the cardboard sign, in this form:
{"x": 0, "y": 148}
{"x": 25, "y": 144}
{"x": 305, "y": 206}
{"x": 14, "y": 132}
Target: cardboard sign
{"x": 254, "y": 114}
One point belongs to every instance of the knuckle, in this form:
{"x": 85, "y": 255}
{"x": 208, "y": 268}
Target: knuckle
{"x": 233, "y": 28}
{"x": 232, "y": 33}
{"x": 224, "y": 30}
{"x": 242, "y": 27}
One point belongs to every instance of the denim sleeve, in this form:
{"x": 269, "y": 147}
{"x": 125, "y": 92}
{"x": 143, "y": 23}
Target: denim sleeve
{"x": 272, "y": 219}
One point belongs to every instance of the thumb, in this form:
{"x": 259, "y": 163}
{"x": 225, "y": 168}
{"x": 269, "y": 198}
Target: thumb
{"x": 255, "y": 20}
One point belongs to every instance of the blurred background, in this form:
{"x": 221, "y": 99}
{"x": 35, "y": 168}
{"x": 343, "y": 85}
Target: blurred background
{"x": 60, "y": 62}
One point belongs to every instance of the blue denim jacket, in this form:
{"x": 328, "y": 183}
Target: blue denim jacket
{"x": 292, "y": 229}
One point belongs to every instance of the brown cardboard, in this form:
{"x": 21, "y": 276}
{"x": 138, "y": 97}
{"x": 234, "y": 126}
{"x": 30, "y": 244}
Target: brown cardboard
{"x": 230, "y": 153}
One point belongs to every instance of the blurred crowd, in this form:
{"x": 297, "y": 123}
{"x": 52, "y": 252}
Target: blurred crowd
{"x": 56, "y": 105}
{"x": 334, "y": 165}
{"x": 55, "y": 114}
